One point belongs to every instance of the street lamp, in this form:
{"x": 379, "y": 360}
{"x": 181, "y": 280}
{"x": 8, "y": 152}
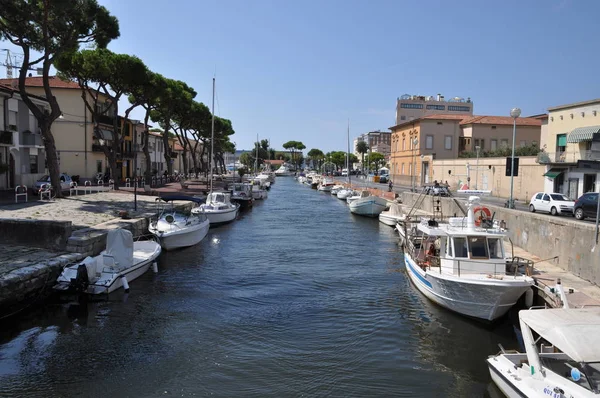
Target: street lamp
{"x": 414, "y": 173}
{"x": 514, "y": 113}
{"x": 477, "y": 148}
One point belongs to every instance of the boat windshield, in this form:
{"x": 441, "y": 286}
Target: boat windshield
{"x": 586, "y": 375}
{"x": 478, "y": 247}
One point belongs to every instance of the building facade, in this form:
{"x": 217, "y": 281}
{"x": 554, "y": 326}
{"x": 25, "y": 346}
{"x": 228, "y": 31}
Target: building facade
{"x": 22, "y": 153}
{"x": 411, "y": 107}
{"x": 490, "y": 133}
{"x": 571, "y": 149}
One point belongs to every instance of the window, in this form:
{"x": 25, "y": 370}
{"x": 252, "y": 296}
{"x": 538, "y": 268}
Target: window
{"x": 32, "y": 123}
{"x": 403, "y": 168}
{"x": 503, "y": 143}
{"x": 429, "y": 142}
{"x": 460, "y": 247}
{"x": 33, "y": 164}
{"x": 402, "y": 117}
{"x": 448, "y": 246}
{"x": 495, "y": 247}
{"x": 539, "y": 196}
{"x": 12, "y": 120}
{"x": 476, "y": 142}
{"x": 410, "y": 169}
{"x": 522, "y": 143}
{"x": 411, "y": 106}
{"x": 493, "y": 127}
{"x": 459, "y": 108}
{"x": 482, "y": 144}
{"x": 440, "y": 123}
{"x": 546, "y": 198}
{"x": 448, "y": 142}
{"x": 493, "y": 145}
{"x": 436, "y": 107}
{"x": 403, "y": 144}
{"x": 478, "y": 247}
{"x": 98, "y": 166}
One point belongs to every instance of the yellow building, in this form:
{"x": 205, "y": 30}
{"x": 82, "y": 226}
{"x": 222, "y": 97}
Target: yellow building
{"x": 571, "y": 148}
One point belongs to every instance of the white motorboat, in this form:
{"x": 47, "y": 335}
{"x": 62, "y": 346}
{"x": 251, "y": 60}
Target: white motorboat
{"x": 368, "y": 205}
{"x": 567, "y": 364}
{"x": 283, "y": 171}
{"x": 259, "y": 192}
{"x": 336, "y": 188}
{"x": 392, "y": 215}
{"x": 355, "y": 195}
{"x": 326, "y": 184}
{"x": 176, "y": 229}
{"x": 218, "y": 208}
{"x": 462, "y": 266}
{"x": 345, "y": 193}
{"x": 241, "y": 193}
{"x": 123, "y": 261}
{"x": 302, "y": 179}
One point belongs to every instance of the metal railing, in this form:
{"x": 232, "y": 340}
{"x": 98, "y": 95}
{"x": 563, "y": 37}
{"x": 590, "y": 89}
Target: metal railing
{"x": 567, "y": 156}
{"x": 31, "y": 139}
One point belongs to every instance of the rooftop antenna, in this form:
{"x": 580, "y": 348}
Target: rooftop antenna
{"x": 12, "y": 62}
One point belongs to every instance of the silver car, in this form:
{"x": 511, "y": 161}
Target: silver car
{"x": 65, "y": 183}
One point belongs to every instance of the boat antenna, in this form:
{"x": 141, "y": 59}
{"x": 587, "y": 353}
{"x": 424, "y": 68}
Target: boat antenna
{"x": 212, "y": 137}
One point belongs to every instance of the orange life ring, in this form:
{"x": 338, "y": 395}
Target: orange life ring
{"x": 483, "y": 210}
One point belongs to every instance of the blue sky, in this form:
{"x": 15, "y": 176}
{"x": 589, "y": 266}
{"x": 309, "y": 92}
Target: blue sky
{"x": 297, "y": 70}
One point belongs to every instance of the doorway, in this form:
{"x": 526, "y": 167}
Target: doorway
{"x": 589, "y": 183}
{"x": 11, "y": 171}
{"x": 425, "y": 175}
{"x": 573, "y": 188}
{"x": 559, "y": 182}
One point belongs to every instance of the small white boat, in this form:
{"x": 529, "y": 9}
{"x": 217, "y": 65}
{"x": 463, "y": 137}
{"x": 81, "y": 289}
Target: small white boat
{"x": 462, "y": 266}
{"x": 123, "y": 261}
{"x": 566, "y": 365}
{"x": 392, "y": 215}
{"x": 326, "y": 185}
{"x": 345, "y": 193}
{"x": 259, "y": 192}
{"x": 283, "y": 171}
{"x": 368, "y": 205}
{"x": 175, "y": 229}
{"x": 218, "y": 208}
{"x": 336, "y": 189}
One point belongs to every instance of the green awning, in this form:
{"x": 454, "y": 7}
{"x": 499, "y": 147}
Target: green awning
{"x": 581, "y": 134}
{"x": 553, "y": 173}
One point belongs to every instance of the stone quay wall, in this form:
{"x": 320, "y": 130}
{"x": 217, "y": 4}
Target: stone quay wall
{"x": 47, "y": 234}
{"x": 565, "y": 238}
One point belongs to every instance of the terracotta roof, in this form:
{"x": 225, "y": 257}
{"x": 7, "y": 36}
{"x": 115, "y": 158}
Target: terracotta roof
{"x": 275, "y": 162}
{"x": 177, "y": 147}
{"x": 501, "y": 120}
{"x": 36, "y": 81}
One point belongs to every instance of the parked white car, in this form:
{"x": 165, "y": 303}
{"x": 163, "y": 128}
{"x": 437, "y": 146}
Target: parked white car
{"x": 553, "y": 203}
{"x": 65, "y": 183}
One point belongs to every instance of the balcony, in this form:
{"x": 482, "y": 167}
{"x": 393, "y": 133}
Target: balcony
{"x": 97, "y": 148}
{"x": 567, "y": 157}
{"x": 6, "y": 138}
{"x": 106, "y": 119}
{"x": 30, "y": 139}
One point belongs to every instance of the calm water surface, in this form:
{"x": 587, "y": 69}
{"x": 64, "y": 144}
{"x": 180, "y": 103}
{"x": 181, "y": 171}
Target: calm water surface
{"x": 297, "y": 298}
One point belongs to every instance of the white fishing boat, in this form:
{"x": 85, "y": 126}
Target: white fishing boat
{"x": 566, "y": 363}
{"x": 462, "y": 265}
{"x": 392, "y": 215}
{"x": 218, "y": 208}
{"x": 175, "y": 229}
{"x": 241, "y": 193}
{"x": 345, "y": 193}
{"x": 326, "y": 184}
{"x": 368, "y": 205}
{"x": 123, "y": 261}
{"x": 259, "y": 192}
{"x": 336, "y": 188}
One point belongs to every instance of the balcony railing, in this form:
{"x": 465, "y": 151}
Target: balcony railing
{"x": 97, "y": 148}
{"x": 567, "y": 157}
{"x": 31, "y": 139}
{"x": 6, "y": 137}
{"x": 105, "y": 119}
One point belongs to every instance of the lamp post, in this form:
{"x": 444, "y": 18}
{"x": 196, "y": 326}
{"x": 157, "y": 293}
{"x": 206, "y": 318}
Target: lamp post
{"x": 477, "y": 148}
{"x": 415, "y": 141}
{"x": 514, "y": 113}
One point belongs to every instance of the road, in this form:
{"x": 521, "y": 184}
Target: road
{"x": 490, "y": 200}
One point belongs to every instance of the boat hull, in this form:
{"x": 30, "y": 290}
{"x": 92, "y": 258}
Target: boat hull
{"x": 370, "y": 206}
{"x": 244, "y": 203}
{"x": 477, "y": 298}
{"x": 183, "y": 238}
{"x": 389, "y": 220}
{"x": 221, "y": 216}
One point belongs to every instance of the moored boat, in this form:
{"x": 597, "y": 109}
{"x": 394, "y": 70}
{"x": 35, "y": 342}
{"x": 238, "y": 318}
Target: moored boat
{"x": 367, "y": 205}
{"x": 218, "y": 208}
{"x": 392, "y": 215}
{"x": 241, "y": 193}
{"x": 123, "y": 261}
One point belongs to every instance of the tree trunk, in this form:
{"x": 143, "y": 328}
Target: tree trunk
{"x": 146, "y": 149}
{"x": 51, "y": 158}
{"x": 167, "y": 151}
{"x": 185, "y": 164}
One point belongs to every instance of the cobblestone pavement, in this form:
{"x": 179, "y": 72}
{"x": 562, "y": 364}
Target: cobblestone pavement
{"x": 82, "y": 210}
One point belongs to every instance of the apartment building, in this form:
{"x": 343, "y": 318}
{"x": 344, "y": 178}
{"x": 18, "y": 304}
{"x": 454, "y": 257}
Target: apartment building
{"x": 22, "y": 153}
{"x": 571, "y": 148}
{"x": 417, "y": 143}
{"x": 410, "y": 107}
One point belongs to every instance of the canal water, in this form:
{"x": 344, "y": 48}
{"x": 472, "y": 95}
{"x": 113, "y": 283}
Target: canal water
{"x": 296, "y": 298}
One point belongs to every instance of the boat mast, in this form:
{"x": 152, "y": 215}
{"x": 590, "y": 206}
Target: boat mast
{"x": 348, "y": 155}
{"x": 256, "y": 160}
{"x": 212, "y": 138}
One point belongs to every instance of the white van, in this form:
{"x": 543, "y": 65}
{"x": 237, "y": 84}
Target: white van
{"x": 344, "y": 172}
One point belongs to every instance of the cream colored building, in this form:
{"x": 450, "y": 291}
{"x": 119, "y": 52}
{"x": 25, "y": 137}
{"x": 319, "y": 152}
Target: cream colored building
{"x": 571, "y": 148}
{"x": 490, "y": 174}
{"x": 77, "y": 149}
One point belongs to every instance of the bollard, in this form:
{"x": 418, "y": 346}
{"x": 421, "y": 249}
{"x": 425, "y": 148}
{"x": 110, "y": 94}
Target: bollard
{"x": 125, "y": 284}
{"x": 155, "y": 267}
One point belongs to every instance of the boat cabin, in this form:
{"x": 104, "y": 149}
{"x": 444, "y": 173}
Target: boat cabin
{"x": 457, "y": 250}
{"x": 218, "y": 201}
